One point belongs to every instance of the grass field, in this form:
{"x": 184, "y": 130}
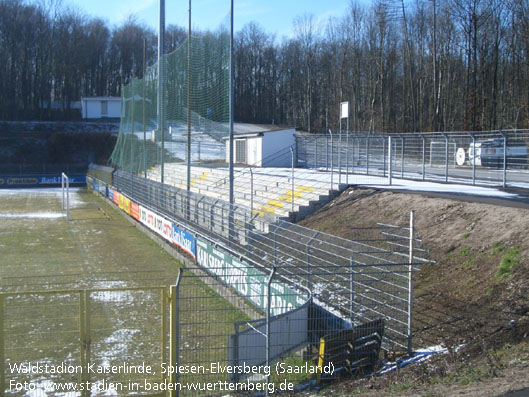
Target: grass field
{"x": 97, "y": 249}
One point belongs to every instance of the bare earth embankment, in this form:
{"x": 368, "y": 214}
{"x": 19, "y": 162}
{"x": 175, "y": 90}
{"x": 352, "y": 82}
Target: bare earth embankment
{"x": 476, "y": 295}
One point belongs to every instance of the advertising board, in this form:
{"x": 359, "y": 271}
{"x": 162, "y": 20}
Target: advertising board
{"x": 247, "y": 281}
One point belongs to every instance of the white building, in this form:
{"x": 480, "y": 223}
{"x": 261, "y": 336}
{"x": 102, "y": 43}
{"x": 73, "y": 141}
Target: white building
{"x": 101, "y": 107}
{"x": 262, "y": 145}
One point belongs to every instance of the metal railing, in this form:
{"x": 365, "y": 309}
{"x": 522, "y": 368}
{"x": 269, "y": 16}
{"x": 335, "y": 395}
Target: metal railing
{"x": 361, "y": 279}
{"x": 492, "y": 158}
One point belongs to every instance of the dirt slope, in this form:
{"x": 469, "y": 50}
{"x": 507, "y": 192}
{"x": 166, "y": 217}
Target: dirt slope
{"x": 477, "y": 292}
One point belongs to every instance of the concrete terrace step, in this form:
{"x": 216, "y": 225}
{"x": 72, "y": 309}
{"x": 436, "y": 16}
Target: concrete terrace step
{"x": 272, "y": 188}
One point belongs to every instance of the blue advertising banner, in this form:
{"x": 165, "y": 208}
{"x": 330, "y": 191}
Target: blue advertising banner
{"x": 14, "y": 181}
{"x": 184, "y": 240}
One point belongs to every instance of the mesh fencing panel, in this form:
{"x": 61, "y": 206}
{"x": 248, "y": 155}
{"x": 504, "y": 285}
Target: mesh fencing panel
{"x": 184, "y": 113}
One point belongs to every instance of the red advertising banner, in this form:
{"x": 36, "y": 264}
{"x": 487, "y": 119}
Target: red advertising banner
{"x": 135, "y": 210}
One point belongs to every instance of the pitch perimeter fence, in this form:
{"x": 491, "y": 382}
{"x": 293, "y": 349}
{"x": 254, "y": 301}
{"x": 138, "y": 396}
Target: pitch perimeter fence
{"x": 497, "y": 158}
{"x": 358, "y": 280}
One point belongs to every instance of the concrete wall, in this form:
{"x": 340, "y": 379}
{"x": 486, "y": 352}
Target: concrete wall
{"x": 276, "y": 142}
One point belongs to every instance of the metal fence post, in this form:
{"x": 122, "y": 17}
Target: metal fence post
{"x": 340, "y": 154}
{"x": 212, "y": 215}
{"x": 163, "y": 336}
{"x": 309, "y": 270}
{"x": 384, "y": 158}
{"x": 446, "y": 157}
{"x": 402, "y": 157}
{"x": 2, "y": 347}
{"x": 82, "y": 337}
{"x": 367, "y": 155}
{"x": 174, "y": 332}
{"x": 347, "y": 155}
{"x": 332, "y": 161}
{"x": 62, "y": 191}
{"x": 293, "y": 185}
{"x": 410, "y": 282}
{"x": 275, "y": 246}
{"x": 423, "y": 157}
{"x": 504, "y": 159}
{"x": 84, "y": 325}
{"x": 353, "y": 157}
{"x": 251, "y": 190}
{"x": 268, "y": 310}
{"x": 351, "y": 286}
{"x": 236, "y": 350}
{"x": 390, "y": 160}
{"x": 67, "y": 198}
{"x": 327, "y": 153}
{"x": 473, "y": 158}
{"x": 316, "y": 152}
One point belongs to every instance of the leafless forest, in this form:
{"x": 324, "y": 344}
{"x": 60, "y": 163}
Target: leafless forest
{"x": 421, "y": 65}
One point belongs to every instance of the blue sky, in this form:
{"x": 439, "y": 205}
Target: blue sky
{"x": 275, "y": 16}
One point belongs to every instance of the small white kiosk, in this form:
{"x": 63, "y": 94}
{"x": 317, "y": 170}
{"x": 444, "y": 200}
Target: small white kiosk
{"x": 101, "y": 107}
{"x": 262, "y": 145}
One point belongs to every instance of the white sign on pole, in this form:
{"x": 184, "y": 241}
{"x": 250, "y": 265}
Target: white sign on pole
{"x": 344, "y": 110}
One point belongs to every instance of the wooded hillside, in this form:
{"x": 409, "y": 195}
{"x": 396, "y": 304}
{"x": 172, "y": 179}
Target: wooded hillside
{"x": 420, "y": 65}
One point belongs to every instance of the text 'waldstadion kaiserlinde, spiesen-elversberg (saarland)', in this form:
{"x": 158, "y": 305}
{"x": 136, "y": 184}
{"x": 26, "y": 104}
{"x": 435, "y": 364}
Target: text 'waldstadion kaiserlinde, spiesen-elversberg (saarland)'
{"x": 163, "y": 371}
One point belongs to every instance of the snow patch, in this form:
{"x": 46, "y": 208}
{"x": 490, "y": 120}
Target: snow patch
{"x": 33, "y": 215}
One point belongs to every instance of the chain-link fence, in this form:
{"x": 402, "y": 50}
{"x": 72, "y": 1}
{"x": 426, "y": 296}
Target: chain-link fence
{"x": 498, "y": 158}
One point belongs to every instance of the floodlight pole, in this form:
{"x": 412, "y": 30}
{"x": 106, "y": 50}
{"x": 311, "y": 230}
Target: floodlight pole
{"x": 189, "y": 100}
{"x": 231, "y": 193}
{"x": 161, "y": 82}
{"x": 143, "y": 107}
